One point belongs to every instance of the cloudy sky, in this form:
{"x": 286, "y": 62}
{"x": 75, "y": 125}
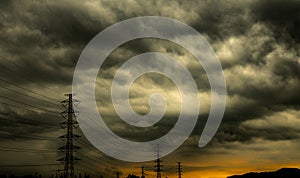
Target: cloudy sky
{"x": 257, "y": 43}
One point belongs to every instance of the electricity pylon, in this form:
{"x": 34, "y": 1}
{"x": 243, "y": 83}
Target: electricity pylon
{"x": 69, "y": 124}
{"x": 179, "y": 170}
{"x": 158, "y": 165}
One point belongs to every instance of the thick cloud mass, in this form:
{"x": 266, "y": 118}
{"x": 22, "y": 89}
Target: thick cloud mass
{"x": 257, "y": 43}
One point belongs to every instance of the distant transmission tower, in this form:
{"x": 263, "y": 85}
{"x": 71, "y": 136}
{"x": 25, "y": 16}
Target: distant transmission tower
{"x": 69, "y": 124}
{"x": 143, "y": 172}
{"x": 158, "y": 166}
{"x": 179, "y": 170}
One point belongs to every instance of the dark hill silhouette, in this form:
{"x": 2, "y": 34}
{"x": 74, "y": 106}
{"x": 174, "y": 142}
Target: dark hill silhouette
{"x": 281, "y": 173}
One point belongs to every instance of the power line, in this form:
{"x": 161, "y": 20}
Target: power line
{"x": 15, "y": 106}
{"x": 11, "y": 149}
{"x": 28, "y": 104}
{"x": 91, "y": 167}
{"x": 22, "y": 118}
{"x": 19, "y": 66}
{"x": 95, "y": 150}
{"x": 8, "y": 150}
{"x": 29, "y": 165}
{"x": 29, "y": 96}
{"x": 27, "y": 151}
{"x": 28, "y": 90}
{"x": 82, "y": 141}
{"x": 94, "y": 160}
{"x": 19, "y": 122}
{"x": 93, "y": 170}
{"x": 38, "y": 137}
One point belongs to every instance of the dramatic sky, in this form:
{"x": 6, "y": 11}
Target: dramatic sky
{"x": 256, "y": 41}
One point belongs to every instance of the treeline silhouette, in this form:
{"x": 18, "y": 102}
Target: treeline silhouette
{"x": 85, "y": 175}
{"x": 281, "y": 173}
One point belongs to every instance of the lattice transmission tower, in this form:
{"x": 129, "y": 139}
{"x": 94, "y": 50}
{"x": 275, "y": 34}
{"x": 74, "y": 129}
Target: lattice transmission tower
{"x": 179, "y": 170}
{"x": 158, "y": 165}
{"x": 69, "y": 124}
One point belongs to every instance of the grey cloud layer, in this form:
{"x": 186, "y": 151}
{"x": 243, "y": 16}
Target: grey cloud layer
{"x": 257, "y": 43}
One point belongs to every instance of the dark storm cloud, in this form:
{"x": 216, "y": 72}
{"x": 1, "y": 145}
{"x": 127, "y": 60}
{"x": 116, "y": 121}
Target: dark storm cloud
{"x": 51, "y": 31}
{"x": 219, "y": 19}
{"x": 64, "y": 24}
{"x": 282, "y": 16}
{"x": 262, "y": 71}
{"x": 257, "y": 43}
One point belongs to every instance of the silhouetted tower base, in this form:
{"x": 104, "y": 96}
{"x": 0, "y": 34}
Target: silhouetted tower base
{"x": 143, "y": 172}
{"x": 158, "y": 169}
{"x": 158, "y": 166}
{"x": 179, "y": 170}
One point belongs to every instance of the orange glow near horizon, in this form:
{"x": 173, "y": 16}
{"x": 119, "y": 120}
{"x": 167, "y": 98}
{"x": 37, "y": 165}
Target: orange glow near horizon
{"x": 217, "y": 173}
